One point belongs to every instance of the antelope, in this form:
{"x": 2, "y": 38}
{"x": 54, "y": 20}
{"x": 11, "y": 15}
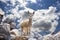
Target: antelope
{"x": 26, "y": 25}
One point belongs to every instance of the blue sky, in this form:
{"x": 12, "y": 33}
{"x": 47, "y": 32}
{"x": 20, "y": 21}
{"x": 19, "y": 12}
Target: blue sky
{"x": 38, "y": 5}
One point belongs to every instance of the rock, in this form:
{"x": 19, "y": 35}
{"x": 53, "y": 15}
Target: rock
{"x": 57, "y": 36}
{"x": 5, "y": 34}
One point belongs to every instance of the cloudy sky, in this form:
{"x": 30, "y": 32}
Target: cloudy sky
{"x": 46, "y": 17}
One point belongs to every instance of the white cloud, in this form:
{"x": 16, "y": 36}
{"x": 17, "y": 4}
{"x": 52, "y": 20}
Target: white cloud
{"x": 32, "y": 1}
{"x": 54, "y": 25}
{"x": 22, "y": 3}
{"x": 8, "y": 17}
{"x": 15, "y": 12}
{"x": 13, "y": 2}
{"x": 3, "y": 0}
{"x": 58, "y": 14}
{"x": 52, "y": 9}
{"x": 43, "y": 19}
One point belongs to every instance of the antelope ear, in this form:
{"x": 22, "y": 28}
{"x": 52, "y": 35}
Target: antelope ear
{"x": 28, "y": 11}
{"x": 33, "y": 12}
